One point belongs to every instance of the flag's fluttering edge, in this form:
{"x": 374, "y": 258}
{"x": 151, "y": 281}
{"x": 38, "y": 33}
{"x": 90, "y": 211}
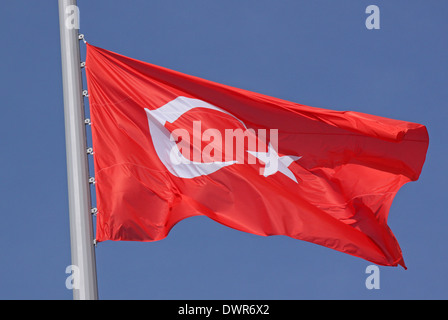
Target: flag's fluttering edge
{"x": 170, "y": 146}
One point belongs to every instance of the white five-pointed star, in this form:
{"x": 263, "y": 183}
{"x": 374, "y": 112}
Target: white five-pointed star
{"x": 274, "y": 163}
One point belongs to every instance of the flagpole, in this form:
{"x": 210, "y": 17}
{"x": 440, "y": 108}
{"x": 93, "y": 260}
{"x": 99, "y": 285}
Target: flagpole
{"x": 81, "y": 225}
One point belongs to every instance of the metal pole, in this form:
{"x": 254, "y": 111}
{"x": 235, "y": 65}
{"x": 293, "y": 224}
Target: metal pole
{"x": 81, "y": 225}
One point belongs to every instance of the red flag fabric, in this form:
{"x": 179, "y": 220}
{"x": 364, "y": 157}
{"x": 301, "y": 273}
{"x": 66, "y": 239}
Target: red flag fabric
{"x": 163, "y": 152}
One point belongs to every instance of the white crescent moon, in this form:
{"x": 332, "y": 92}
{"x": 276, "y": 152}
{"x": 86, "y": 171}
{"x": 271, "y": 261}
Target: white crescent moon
{"x": 175, "y": 162}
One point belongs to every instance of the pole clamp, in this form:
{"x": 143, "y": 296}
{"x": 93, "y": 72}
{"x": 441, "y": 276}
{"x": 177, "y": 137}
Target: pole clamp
{"x": 81, "y": 37}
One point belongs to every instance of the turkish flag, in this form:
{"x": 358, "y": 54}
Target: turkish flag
{"x": 163, "y": 152}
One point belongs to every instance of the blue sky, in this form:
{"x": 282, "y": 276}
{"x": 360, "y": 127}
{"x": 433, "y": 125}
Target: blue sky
{"x": 317, "y": 53}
